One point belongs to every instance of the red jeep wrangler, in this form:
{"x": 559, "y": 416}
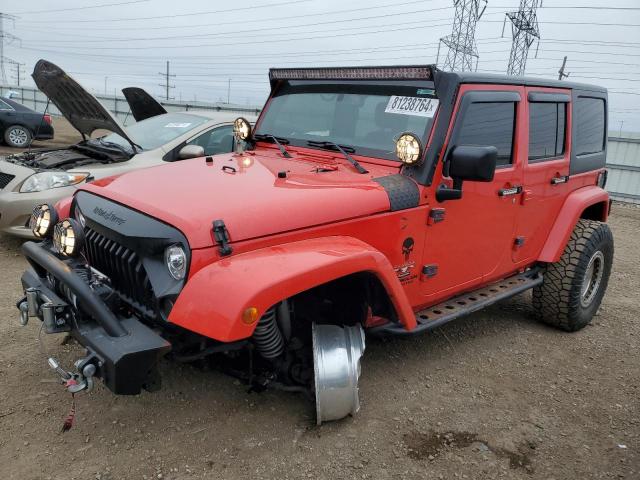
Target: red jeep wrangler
{"x": 386, "y": 200}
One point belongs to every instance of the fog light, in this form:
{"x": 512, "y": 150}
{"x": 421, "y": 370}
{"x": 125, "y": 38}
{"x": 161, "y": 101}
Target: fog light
{"x": 250, "y": 316}
{"x": 43, "y": 218}
{"x": 68, "y": 237}
{"x": 408, "y": 149}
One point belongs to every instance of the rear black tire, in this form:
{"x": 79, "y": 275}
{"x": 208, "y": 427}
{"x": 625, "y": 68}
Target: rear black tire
{"x": 573, "y": 287}
{"x": 18, "y": 136}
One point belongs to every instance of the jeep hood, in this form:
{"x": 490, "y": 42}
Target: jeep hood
{"x": 248, "y": 194}
{"x": 78, "y": 106}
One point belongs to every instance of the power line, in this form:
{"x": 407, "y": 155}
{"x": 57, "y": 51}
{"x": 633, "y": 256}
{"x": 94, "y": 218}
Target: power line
{"x": 8, "y": 38}
{"x": 208, "y": 12}
{"x": 524, "y": 31}
{"x": 88, "y": 7}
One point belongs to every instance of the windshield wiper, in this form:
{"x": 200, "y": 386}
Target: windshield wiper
{"x": 342, "y": 149}
{"x": 122, "y": 148}
{"x": 277, "y": 140}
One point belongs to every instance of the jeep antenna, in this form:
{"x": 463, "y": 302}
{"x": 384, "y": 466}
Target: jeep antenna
{"x": 462, "y": 41}
{"x": 561, "y": 73}
{"x": 525, "y": 31}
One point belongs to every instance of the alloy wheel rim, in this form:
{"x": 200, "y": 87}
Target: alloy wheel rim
{"x": 592, "y": 279}
{"x": 18, "y": 136}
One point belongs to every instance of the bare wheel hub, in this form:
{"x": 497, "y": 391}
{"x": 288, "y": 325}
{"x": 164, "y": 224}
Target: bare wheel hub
{"x": 592, "y": 279}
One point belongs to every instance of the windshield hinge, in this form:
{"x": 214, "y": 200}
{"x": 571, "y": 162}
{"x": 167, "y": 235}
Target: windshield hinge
{"x": 221, "y": 235}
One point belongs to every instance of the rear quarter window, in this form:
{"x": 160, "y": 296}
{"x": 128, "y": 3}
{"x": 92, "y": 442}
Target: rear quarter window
{"x": 590, "y": 125}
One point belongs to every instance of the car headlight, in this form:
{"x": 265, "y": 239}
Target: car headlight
{"x": 43, "y": 218}
{"x": 47, "y": 180}
{"x": 68, "y": 237}
{"x": 176, "y": 260}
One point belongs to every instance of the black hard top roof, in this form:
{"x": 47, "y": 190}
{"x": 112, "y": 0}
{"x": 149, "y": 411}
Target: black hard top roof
{"x": 414, "y": 72}
{"x": 475, "y": 77}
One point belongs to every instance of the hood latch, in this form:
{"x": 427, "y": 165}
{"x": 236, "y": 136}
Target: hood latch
{"x": 221, "y": 235}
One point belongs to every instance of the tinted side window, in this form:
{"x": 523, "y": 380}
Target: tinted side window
{"x": 590, "y": 121}
{"x": 546, "y": 130}
{"x": 490, "y": 124}
{"x": 5, "y": 106}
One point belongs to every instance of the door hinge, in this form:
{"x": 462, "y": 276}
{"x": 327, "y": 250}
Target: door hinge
{"x": 221, "y": 235}
{"x": 436, "y": 215}
{"x": 429, "y": 271}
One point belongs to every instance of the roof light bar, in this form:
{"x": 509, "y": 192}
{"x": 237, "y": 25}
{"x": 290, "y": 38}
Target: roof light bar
{"x": 411, "y": 72}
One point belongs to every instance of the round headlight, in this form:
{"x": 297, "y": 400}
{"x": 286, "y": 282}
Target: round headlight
{"x": 242, "y": 128}
{"x": 68, "y": 237}
{"x": 409, "y": 149}
{"x": 176, "y": 261}
{"x": 43, "y": 219}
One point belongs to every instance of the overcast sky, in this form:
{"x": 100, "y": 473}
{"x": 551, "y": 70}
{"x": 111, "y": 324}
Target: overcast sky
{"x": 209, "y": 42}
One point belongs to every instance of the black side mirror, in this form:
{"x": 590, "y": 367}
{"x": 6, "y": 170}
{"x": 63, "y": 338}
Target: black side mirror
{"x": 466, "y": 162}
{"x": 473, "y": 163}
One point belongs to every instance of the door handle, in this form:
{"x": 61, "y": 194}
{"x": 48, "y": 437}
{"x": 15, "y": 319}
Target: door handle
{"x": 559, "y": 179}
{"x": 515, "y": 190}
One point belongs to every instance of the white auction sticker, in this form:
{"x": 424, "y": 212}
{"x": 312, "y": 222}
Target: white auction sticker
{"x": 420, "y": 107}
{"x": 177, "y": 125}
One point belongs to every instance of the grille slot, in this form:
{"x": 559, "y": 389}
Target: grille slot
{"x": 124, "y": 267}
{"x": 5, "y": 178}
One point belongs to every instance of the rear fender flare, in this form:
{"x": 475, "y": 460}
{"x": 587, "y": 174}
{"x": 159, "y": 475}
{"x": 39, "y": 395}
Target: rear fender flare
{"x": 572, "y": 209}
{"x": 214, "y": 298}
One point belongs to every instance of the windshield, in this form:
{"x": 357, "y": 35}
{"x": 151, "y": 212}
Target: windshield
{"x": 156, "y": 131}
{"x": 367, "y": 116}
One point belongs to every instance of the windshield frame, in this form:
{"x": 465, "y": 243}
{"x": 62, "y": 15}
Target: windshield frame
{"x": 285, "y": 87}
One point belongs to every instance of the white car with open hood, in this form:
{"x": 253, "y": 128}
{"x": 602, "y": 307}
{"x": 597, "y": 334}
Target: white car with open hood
{"x": 45, "y": 176}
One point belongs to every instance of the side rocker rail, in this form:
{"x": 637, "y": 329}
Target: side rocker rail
{"x": 465, "y": 304}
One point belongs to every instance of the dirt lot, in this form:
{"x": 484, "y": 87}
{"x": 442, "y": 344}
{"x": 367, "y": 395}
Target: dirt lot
{"x": 495, "y": 395}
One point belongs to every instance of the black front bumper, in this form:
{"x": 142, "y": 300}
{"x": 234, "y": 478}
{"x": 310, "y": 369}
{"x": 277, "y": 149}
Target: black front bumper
{"x": 125, "y": 352}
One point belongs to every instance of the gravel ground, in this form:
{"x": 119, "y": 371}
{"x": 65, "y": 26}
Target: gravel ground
{"x": 494, "y": 395}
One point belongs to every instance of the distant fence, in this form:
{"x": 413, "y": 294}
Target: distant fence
{"x": 33, "y": 98}
{"x": 623, "y": 164}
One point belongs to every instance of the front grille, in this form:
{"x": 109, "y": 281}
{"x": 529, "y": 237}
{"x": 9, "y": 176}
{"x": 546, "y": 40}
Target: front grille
{"x": 124, "y": 267}
{"x": 5, "y": 178}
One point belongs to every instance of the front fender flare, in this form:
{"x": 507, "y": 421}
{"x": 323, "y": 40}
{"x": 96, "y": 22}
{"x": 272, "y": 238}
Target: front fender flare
{"x": 573, "y": 207}
{"x": 214, "y": 298}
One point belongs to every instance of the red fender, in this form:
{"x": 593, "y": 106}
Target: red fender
{"x": 63, "y": 207}
{"x": 576, "y": 203}
{"x": 214, "y": 298}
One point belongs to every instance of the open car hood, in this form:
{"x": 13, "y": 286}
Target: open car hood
{"x": 78, "y": 106}
{"x": 142, "y": 104}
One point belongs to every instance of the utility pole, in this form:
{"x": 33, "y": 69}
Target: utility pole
{"x": 621, "y": 124}
{"x": 18, "y": 66}
{"x": 561, "y": 73}
{"x": 9, "y": 39}
{"x": 166, "y": 83}
{"x": 462, "y": 41}
{"x": 228, "y": 91}
{"x": 524, "y": 30}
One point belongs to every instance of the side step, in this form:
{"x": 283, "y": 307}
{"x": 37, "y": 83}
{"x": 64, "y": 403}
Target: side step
{"x": 465, "y": 304}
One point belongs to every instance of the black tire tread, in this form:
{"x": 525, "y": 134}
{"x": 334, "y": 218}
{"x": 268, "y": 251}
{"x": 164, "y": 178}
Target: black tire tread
{"x": 557, "y": 299}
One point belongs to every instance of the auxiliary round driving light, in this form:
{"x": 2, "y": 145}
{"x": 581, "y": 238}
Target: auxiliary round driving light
{"x": 409, "y": 149}
{"x": 43, "y": 218}
{"x": 242, "y": 128}
{"x": 68, "y": 237}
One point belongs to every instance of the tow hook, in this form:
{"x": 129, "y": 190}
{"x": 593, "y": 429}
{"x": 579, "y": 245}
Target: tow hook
{"x": 77, "y": 382}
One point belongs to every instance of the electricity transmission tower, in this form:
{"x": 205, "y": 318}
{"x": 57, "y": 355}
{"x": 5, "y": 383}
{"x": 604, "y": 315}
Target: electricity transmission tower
{"x": 524, "y": 30}
{"x": 166, "y": 83}
{"x": 462, "y": 42}
{"x": 7, "y": 38}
